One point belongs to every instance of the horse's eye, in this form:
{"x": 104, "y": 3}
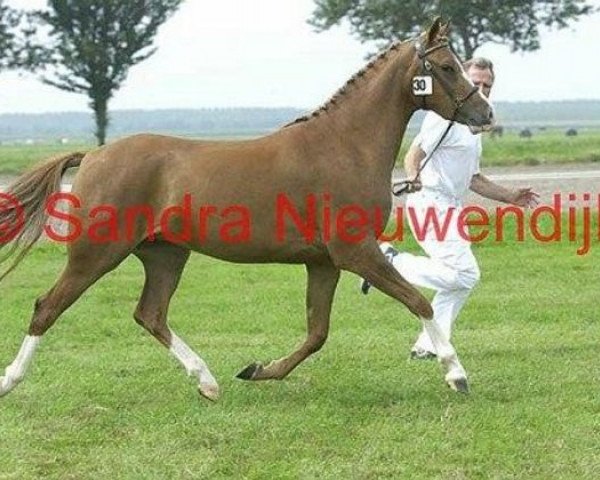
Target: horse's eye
{"x": 448, "y": 68}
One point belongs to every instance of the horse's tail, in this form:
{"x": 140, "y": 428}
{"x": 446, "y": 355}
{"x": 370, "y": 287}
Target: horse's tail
{"x": 23, "y": 207}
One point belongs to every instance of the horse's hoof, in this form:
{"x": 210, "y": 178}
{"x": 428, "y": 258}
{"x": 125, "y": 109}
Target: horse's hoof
{"x": 460, "y": 385}
{"x": 209, "y": 391}
{"x": 250, "y": 372}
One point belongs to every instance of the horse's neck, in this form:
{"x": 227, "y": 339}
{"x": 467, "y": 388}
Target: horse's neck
{"x": 375, "y": 114}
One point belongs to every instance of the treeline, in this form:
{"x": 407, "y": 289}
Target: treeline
{"x": 548, "y": 114}
{"x": 232, "y": 122}
{"x": 200, "y": 122}
{"x": 576, "y": 112}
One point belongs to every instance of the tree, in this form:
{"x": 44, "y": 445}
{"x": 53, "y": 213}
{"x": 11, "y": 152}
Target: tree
{"x": 93, "y": 44}
{"x": 12, "y": 38}
{"x": 474, "y": 22}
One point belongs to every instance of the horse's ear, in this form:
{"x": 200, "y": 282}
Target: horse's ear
{"x": 434, "y": 30}
{"x": 445, "y": 29}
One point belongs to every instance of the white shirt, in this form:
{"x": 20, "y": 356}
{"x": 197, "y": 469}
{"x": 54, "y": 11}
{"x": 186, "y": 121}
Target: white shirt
{"x": 456, "y": 160}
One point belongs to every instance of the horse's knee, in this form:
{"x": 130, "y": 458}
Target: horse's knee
{"x": 42, "y": 318}
{"x": 138, "y": 317}
{"x": 37, "y": 304}
{"x": 316, "y": 342}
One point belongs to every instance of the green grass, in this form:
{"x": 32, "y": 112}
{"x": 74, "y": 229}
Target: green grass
{"x": 15, "y": 159}
{"x": 549, "y": 147}
{"x": 103, "y": 400}
{"x": 546, "y": 147}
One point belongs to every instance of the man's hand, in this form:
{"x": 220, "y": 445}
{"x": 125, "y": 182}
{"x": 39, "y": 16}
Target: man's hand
{"x": 407, "y": 186}
{"x": 524, "y": 197}
{"x": 414, "y": 185}
{"x": 521, "y": 197}
{"x": 412, "y": 162}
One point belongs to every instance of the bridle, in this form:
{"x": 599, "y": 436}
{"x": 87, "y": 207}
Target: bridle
{"x": 428, "y": 68}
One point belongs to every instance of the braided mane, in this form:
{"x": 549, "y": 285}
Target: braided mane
{"x": 337, "y": 96}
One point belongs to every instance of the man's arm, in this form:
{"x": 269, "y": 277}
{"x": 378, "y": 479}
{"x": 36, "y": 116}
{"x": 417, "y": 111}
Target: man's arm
{"x": 412, "y": 162}
{"x": 522, "y": 197}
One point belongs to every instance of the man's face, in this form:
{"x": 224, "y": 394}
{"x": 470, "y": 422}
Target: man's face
{"x": 482, "y": 78}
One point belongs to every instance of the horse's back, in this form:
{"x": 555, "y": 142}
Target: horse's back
{"x": 143, "y": 162}
{"x": 229, "y": 186}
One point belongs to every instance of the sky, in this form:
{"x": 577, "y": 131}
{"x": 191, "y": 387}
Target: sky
{"x": 262, "y": 53}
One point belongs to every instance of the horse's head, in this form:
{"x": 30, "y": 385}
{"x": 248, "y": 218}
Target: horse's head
{"x": 441, "y": 84}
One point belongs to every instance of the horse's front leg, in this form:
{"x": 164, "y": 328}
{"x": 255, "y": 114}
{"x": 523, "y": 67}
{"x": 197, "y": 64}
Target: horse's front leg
{"x": 367, "y": 261}
{"x": 322, "y": 282}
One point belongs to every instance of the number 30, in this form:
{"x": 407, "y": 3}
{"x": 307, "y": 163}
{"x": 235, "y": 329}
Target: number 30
{"x": 419, "y": 84}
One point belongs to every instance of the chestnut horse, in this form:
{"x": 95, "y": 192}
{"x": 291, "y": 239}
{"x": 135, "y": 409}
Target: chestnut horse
{"x": 344, "y": 152}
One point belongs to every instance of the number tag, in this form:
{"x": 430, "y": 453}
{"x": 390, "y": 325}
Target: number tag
{"x": 422, "y": 85}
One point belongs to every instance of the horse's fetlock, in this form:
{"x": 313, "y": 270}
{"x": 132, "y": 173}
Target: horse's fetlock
{"x": 446, "y": 356}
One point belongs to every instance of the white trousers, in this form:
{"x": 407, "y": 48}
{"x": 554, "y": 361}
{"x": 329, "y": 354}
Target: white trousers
{"x": 449, "y": 267}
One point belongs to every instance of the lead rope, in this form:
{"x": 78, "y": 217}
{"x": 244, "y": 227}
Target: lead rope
{"x": 405, "y": 185}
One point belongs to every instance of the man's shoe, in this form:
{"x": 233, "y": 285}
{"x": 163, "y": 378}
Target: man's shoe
{"x": 390, "y": 253}
{"x": 420, "y": 354}
{"x": 365, "y": 286}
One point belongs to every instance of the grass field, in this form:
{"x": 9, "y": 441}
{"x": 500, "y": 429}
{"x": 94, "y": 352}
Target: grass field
{"x": 15, "y": 159}
{"x": 103, "y": 400}
{"x": 546, "y": 147}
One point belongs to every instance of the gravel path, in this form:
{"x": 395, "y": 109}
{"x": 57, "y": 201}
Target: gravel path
{"x": 545, "y": 180}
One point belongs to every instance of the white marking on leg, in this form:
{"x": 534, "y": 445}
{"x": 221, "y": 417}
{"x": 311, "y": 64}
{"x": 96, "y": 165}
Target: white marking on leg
{"x": 194, "y": 366}
{"x": 445, "y": 351}
{"x": 15, "y": 372}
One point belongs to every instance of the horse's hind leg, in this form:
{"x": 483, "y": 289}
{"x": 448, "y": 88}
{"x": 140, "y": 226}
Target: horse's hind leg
{"x": 77, "y": 277}
{"x": 322, "y": 282}
{"x": 164, "y": 263}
